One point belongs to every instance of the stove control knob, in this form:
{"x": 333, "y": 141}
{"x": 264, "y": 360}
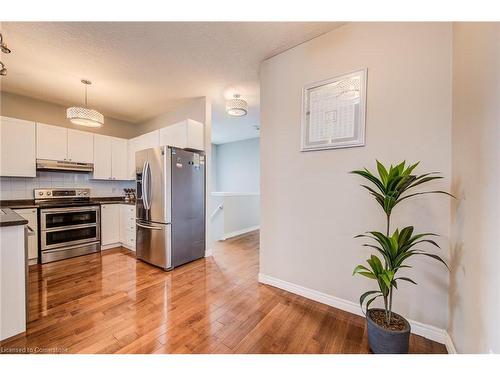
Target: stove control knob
{"x": 85, "y": 193}
{"x": 49, "y": 193}
{"x": 40, "y": 193}
{"x": 79, "y": 193}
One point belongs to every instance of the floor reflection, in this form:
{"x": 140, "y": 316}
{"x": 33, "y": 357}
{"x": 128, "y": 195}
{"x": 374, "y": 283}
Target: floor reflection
{"x": 112, "y": 303}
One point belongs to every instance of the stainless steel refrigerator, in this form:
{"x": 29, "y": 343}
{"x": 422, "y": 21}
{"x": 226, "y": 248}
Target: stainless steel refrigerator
{"x": 170, "y": 206}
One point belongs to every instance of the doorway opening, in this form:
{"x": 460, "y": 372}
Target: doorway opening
{"x": 235, "y": 174}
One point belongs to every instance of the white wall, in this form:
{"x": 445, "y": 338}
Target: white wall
{"x": 31, "y": 109}
{"x": 214, "y": 167}
{"x": 237, "y": 185}
{"x": 474, "y": 286}
{"x": 238, "y": 166}
{"x": 311, "y": 207}
{"x": 240, "y": 214}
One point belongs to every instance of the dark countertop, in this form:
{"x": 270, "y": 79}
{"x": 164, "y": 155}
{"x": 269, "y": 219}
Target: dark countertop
{"x": 30, "y": 203}
{"x": 111, "y": 200}
{"x": 18, "y": 204}
{"x": 9, "y": 218}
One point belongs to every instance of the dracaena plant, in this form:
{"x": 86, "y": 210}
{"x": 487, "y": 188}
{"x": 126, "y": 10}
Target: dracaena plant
{"x": 390, "y": 187}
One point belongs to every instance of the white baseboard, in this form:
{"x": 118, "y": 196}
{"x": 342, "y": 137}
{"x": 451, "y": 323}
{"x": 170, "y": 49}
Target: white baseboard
{"x": 110, "y": 246}
{"x": 128, "y": 247}
{"x": 117, "y": 244}
{"x": 239, "y": 232}
{"x": 450, "y": 347}
{"x": 32, "y": 261}
{"x": 421, "y": 329}
{"x": 208, "y": 253}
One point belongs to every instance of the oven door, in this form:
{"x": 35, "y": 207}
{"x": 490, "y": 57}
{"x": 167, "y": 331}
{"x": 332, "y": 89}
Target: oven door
{"x": 61, "y": 227}
{"x": 56, "y": 218}
{"x": 65, "y": 237}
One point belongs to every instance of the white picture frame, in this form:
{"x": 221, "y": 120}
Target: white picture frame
{"x": 334, "y": 112}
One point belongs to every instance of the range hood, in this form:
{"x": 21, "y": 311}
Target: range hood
{"x": 55, "y": 165}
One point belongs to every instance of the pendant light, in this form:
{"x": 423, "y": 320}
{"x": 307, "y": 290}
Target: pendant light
{"x": 85, "y": 116}
{"x": 236, "y": 107}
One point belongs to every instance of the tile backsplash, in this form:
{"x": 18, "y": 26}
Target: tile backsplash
{"x": 22, "y": 187}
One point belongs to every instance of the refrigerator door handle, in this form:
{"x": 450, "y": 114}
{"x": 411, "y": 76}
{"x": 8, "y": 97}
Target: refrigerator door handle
{"x": 148, "y": 226}
{"x": 148, "y": 185}
{"x": 144, "y": 186}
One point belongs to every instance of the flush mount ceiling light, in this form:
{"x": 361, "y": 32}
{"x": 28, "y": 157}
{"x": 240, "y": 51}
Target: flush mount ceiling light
{"x": 236, "y": 107}
{"x": 85, "y": 116}
{"x": 4, "y": 49}
{"x": 3, "y": 46}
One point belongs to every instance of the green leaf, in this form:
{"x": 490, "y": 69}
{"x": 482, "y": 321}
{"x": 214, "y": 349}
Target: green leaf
{"x": 370, "y": 302}
{"x": 411, "y": 168}
{"x": 382, "y": 172}
{"x": 386, "y": 280}
{"x": 428, "y": 241}
{"x": 366, "y": 294}
{"x": 370, "y": 275}
{"x": 437, "y": 257}
{"x": 360, "y": 268}
{"x": 376, "y": 264}
{"x": 366, "y": 174}
{"x": 407, "y": 279}
{"x": 425, "y": 192}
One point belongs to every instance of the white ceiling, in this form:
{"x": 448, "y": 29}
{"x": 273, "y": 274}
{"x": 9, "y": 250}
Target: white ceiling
{"x": 140, "y": 70}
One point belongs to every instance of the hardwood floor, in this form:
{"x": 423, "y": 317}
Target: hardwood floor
{"x": 112, "y": 303}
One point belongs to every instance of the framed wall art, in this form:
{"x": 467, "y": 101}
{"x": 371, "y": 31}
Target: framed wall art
{"x": 333, "y": 112}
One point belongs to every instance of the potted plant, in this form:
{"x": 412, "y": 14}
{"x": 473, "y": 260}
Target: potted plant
{"x": 389, "y": 332}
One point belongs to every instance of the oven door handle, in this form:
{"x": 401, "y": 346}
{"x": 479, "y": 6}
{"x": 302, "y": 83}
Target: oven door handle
{"x": 148, "y": 226}
{"x": 51, "y": 211}
{"x": 69, "y": 227}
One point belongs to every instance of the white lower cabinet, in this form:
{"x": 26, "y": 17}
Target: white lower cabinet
{"x": 30, "y": 215}
{"x": 110, "y": 225}
{"x": 127, "y": 226}
{"x": 117, "y": 226}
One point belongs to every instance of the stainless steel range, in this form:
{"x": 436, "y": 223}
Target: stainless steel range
{"x": 69, "y": 223}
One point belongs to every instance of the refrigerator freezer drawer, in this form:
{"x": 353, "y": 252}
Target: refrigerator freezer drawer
{"x": 153, "y": 244}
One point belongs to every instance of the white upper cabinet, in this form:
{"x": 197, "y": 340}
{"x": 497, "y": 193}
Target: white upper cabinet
{"x": 17, "y": 148}
{"x": 185, "y": 134}
{"x": 58, "y": 143}
{"x": 133, "y": 145}
{"x": 142, "y": 142}
{"x": 119, "y": 159}
{"x": 51, "y": 142}
{"x": 110, "y": 158}
{"x": 102, "y": 157}
{"x": 80, "y": 146}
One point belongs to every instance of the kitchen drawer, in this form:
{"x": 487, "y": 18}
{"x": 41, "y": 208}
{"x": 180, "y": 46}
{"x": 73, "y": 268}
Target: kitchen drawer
{"x": 129, "y": 241}
{"x": 129, "y": 220}
{"x": 129, "y": 227}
